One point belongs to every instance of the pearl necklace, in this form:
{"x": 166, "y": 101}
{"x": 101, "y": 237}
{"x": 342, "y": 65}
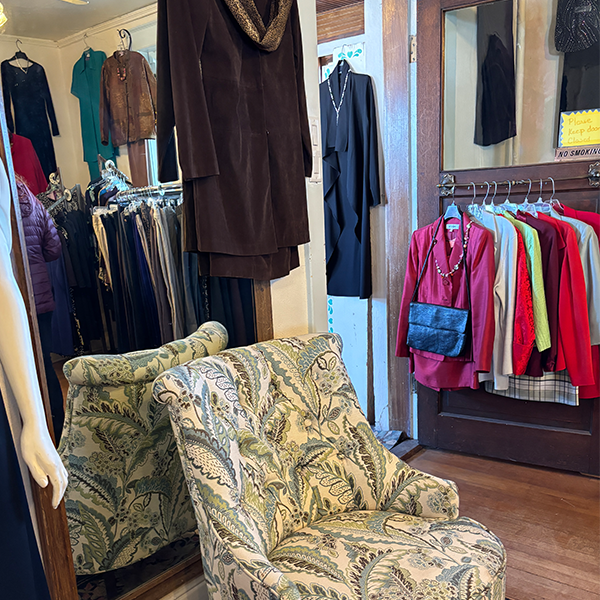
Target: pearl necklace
{"x": 453, "y": 270}
{"x": 338, "y": 108}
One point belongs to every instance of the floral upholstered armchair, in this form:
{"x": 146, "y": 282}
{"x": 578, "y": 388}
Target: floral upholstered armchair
{"x": 127, "y": 496}
{"x": 296, "y": 499}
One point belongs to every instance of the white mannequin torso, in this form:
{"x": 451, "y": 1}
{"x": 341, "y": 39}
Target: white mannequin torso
{"x": 17, "y": 360}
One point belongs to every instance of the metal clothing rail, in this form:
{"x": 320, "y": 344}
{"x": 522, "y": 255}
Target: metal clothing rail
{"x": 162, "y": 189}
{"x": 448, "y": 183}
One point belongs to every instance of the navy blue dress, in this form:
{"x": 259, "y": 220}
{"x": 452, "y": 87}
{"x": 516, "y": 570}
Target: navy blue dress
{"x": 21, "y": 572}
{"x": 32, "y": 103}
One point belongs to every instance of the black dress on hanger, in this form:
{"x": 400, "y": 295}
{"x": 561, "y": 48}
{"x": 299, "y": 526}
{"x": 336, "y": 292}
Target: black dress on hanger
{"x": 350, "y": 179}
{"x": 30, "y": 94}
{"x": 22, "y": 575}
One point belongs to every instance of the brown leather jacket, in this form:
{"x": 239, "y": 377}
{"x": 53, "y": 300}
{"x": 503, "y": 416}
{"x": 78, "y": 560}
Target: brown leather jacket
{"x": 127, "y": 99}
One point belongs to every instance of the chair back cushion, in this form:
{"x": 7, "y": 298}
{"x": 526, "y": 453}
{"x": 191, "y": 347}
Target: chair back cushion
{"x": 127, "y": 496}
{"x": 272, "y": 439}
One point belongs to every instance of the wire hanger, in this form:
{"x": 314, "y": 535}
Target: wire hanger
{"x": 490, "y": 207}
{"x": 85, "y": 41}
{"x": 19, "y": 53}
{"x": 540, "y": 204}
{"x": 527, "y": 206}
{"x": 453, "y": 211}
{"x": 125, "y": 35}
{"x": 474, "y": 207}
{"x": 506, "y": 205}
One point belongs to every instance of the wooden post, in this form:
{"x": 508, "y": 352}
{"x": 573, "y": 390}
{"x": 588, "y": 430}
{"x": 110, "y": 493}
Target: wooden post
{"x": 263, "y": 311}
{"x": 397, "y": 184}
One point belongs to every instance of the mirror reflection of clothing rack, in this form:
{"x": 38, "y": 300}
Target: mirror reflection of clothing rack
{"x": 151, "y": 191}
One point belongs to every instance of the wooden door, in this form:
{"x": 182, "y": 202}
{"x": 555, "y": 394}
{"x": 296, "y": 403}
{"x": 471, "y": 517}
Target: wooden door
{"x": 475, "y": 421}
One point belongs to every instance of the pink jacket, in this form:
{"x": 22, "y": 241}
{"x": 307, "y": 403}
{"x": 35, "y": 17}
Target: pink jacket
{"x": 43, "y": 245}
{"x": 433, "y": 370}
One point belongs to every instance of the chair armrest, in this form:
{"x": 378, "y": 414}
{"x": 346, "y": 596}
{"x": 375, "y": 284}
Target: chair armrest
{"x": 229, "y": 565}
{"x": 413, "y": 492}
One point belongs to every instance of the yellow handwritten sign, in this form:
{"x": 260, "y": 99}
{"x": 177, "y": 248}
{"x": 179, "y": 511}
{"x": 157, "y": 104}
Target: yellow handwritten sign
{"x": 579, "y": 128}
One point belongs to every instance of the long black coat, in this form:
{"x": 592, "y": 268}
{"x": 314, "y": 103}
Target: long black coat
{"x": 242, "y": 134}
{"x": 33, "y": 106}
{"x": 350, "y": 180}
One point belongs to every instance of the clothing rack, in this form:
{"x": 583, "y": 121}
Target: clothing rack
{"x": 162, "y": 189}
{"x": 448, "y": 181}
{"x": 109, "y": 166}
{"x": 55, "y": 193}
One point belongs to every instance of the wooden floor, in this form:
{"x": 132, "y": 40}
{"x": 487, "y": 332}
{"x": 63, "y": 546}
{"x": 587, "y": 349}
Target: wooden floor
{"x": 549, "y": 522}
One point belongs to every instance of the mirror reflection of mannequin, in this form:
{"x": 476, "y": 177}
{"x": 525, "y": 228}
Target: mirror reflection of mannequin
{"x": 21, "y": 572}
{"x": 43, "y": 245}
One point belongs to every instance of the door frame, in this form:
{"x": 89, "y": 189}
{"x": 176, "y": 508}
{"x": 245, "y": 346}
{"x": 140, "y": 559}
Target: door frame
{"x": 397, "y": 161}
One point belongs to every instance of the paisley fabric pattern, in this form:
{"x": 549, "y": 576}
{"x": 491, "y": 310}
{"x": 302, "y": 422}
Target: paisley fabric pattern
{"x": 390, "y": 556}
{"x": 294, "y": 496}
{"x": 126, "y": 496}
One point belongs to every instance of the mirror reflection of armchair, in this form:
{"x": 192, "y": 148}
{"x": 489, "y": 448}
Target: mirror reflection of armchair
{"x": 296, "y": 498}
{"x": 127, "y": 496}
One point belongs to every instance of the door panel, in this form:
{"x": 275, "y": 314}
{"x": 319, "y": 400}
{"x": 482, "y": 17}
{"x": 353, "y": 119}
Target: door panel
{"x": 474, "y": 421}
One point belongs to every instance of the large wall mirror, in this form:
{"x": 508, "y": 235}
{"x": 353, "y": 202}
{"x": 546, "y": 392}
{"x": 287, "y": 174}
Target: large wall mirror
{"x": 508, "y": 73}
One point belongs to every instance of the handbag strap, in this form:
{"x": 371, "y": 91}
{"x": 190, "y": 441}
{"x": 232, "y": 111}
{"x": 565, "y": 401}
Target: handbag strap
{"x": 462, "y": 230}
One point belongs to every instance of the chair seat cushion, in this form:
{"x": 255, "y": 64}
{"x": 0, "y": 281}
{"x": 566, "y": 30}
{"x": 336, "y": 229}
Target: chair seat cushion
{"x": 373, "y": 555}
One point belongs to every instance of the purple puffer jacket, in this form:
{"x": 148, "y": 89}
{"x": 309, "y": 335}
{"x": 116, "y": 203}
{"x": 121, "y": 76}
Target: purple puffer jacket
{"x": 43, "y": 245}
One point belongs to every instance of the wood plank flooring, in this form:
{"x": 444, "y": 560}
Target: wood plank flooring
{"x": 549, "y": 521}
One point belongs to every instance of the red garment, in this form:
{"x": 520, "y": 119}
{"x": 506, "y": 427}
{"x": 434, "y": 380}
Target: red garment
{"x": 27, "y": 163}
{"x": 593, "y": 219}
{"x": 574, "y": 345}
{"x": 524, "y": 336}
{"x": 433, "y": 370}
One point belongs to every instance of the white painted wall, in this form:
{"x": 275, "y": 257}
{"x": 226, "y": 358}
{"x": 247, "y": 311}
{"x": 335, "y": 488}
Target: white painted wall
{"x": 300, "y": 299}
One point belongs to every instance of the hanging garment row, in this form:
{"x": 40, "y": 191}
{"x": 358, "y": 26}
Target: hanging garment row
{"x": 76, "y": 321}
{"x": 534, "y": 275}
{"x": 155, "y": 289}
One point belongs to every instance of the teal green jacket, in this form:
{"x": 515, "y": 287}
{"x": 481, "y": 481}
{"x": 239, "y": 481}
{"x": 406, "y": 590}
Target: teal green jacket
{"x": 86, "y": 87}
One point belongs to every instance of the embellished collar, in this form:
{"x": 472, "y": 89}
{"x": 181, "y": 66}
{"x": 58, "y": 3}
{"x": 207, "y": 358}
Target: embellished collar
{"x": 266, "y": 37}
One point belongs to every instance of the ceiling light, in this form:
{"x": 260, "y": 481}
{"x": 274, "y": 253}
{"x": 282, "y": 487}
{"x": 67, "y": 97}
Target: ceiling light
{"x": 77, "y": 1}
{"x": 3, "y": 17}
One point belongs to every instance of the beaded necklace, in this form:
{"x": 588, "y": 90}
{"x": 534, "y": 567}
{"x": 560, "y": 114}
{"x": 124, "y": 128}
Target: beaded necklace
{"x": 338, "y": 108}
{"x": 453, "y": 270}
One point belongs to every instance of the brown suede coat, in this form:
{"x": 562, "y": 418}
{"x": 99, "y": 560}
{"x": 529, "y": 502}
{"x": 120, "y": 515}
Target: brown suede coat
{"x": 242, "y": 134}
{"x": 127, "y": 99}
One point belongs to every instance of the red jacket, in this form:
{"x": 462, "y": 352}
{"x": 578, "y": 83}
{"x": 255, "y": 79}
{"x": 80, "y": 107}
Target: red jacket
{"x": 574, "y": 345}
{"x": 43, "y": 245}
{"x": 27, "y": 164}
{"x": 433, "y": 370}
{"x": 593, "y": 219}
